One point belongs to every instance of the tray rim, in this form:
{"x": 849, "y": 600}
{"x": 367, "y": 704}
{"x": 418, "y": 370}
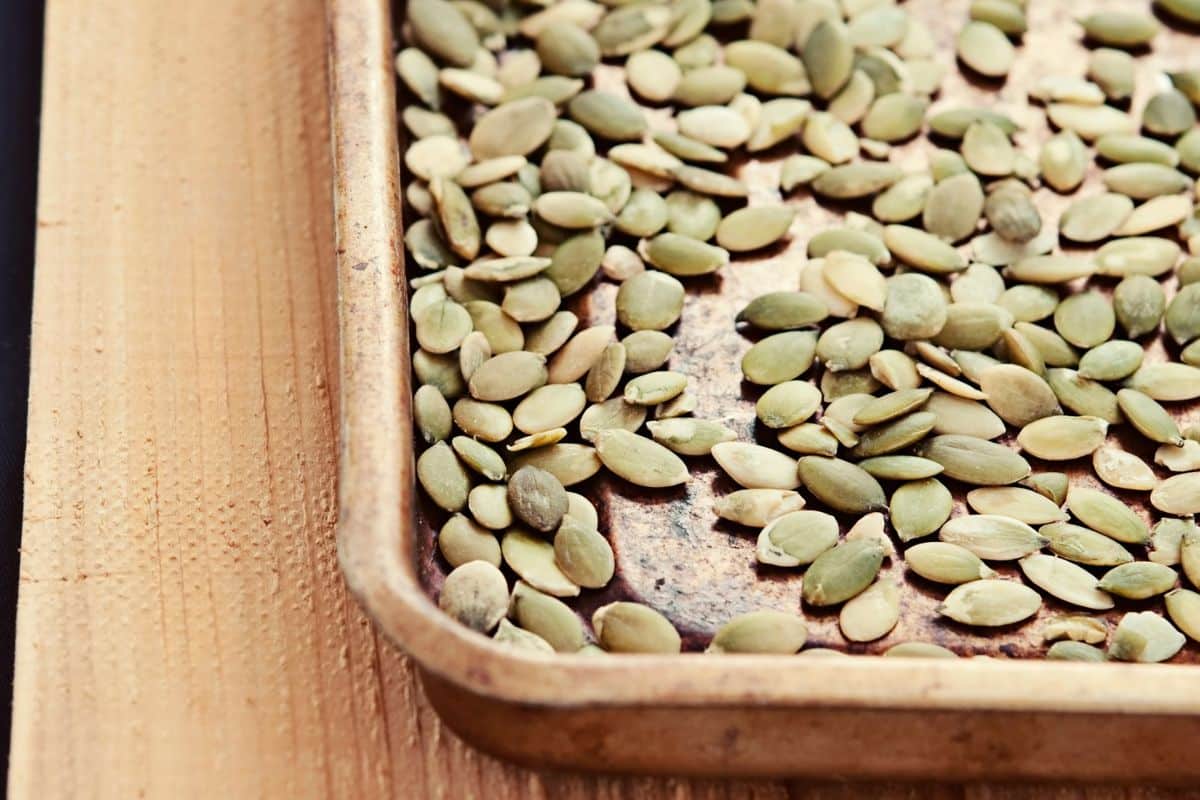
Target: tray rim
{"x": 376, "y": 466}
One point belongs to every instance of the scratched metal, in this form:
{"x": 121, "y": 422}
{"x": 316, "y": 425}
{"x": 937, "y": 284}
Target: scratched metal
{"x": 672, "y": 552}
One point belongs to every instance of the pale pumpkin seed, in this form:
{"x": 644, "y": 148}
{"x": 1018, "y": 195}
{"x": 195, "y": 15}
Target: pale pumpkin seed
{"x": 1090, "y": 122}
{"x": 1178, "y": 495}
{"x": 1148, "y": 417}
{"x": 613, "y": 413}
{"x": 649, "y": 301}
{"x": 756, "y": 467}
{"x": 1166, "y": 381}
{"x": 1083, "y": 545}
{"x": 860, "y": 179}
{"x": 946, "y": 563}
{"x": 1123, "y": 148}
{"x": 764, "y": 631}
{"x": 919, "y": 650}
{"x": 689, "y": 437}
{"x": 461, "y": 541}
{"x": 1126, "y": 29}
{"x": 1145, "y": 637}
{"x": 985, "y": 49}
{"x": 1145, "y": 180}
{"x": 796, "y": 538}
{"x": 1138, "y": 580}
{"x": 1123, "y": 470}
{"x": 872, "y": 614}
{"x": 475, "y": 594}
{"x": 1183, "y": 607}
{"x": 625, "y": 627}
{"x": 757, "y": 507}
{"x": 1062, "y": 438}
{"x": 1075, "y": 628}
{"x": 1178, "y": 458}
{"x": 570, "y": 463}
{"x": 1075, "y": 651}
{"x": 1106, "y": 514}
{"x": 779, "y": 357}
{"x": 753, "y": 228}
{"x": 1020, "y": 504}
{"x": 583, "y": 554}
{"x": 1066, "y": 581}
{"x": 957, "y": 415}
{"x": 990, "y": 603}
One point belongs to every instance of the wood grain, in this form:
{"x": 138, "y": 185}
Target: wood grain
{"x": 183, "y": 628}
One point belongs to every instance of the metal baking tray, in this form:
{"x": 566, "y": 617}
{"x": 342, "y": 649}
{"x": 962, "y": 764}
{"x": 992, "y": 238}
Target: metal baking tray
{"x": 858, "y": 717}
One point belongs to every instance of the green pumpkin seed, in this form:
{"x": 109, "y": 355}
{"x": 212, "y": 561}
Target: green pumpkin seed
{"x": 475, "y": 594}
{"x": 547, "y": 618}
{"x": 757, "y": 507}
{"x": 1178, "y": 458}
{"x": 1155, "y": 214}
{"x": 800, "y": 170}
{"x": 1066, "y": 581}
{"x": 1107, "y": 515}
{"x": 953, "y": 207}
{"x": 753, "y": 228}
{"x": 1091, "y": 219}
{"x": 841, "y": 573}
{"x": 517, "y": 127}
{"x": 1145, "y": 637}
{"x": 809, "y": 439}
{"x": 828, "y": 57}
{"x": 779, "y": 357}
{"x": 431, "y": 413}
{"x": 1011, "y": 213}
{"x": 779, "y": 311}
{"x": 830, "y": 139}
{"x": 756, "y": 467}
{"x": 649, "y": 301}
{"x": 1111, "y": 361}
{"x": 904, "y": 200}
{"x": 708, "y": 182}
{"x": 990, "y": 602}
{"x": 1020, "y": 504}
{"x": 461, "y": 541}
{"x": 895, "y": 370}
{"x": 1139, "y": 304}
{"x": 872, "y": 614}
{"x": 579, "y": 354}
{"x": 1075, "y": 628}
{"x": 605, "y": 374}
{"x": 1062, "y": 438}
{"x": 1178, "y": 495}
{"x": 1125, "y": 148}
{"x": 1084, "y": 396}
{"x": 853, "y": 100}
{"x": 1113, "y": 71}
{"x": 552, "y": 334}
{"x": 953, "y": 123}
{"x": 1083, "y": 545}
{"x": 511, "y": 636}
{"x": 1085, "y": 320}
{"x": 920, "y": 508}
{"x": 915, "y": 307}
{"x": 919, "y": 650}
{"x": 537, "y": 498}
{"x": 1063, "y": 161}
{"x": 958, "y": 415}
{"x": 894, "y": 436}
{"x": 900, "y": 468}
{"x": 570, "y": 463}
{"x": 1168, "y": 113}
{"x": 841, "y": 485}
{"x": 1148, "y": 417}
{"x": 712, "y": 85}
{"x": 860, "y": 179}
{"x": 796, "y": 538}
{"x": 1138, "y": 580}
{"x": 1183, "y": 607}
{"x": 922, "y": 250}
{"x": 1090, "y": 122}
{"x": 620, "y": 263}
{"x": 1125, "y": 29}
{"x": 1028, "y": 303}
{"x": 479, "y": 457}
{"x": 583, "y": 554}
{"x": 1166, "y": 381}
{"x": 894, "y": 117}
{"x": 1123, "y": 470}
{"x": 768, "y": 68}
{"x": 613, "y": 413}
{"x": 946, "y": 563}
{"x": 486, "y": 421}
{"x": 693, "y": 215}
{"x": 607, "y": 115}
{"x": 625, "y": 627}
{"x": 764, "y": 631}
{"x": 1145, "y": 180}
{"x": 443, "y": 477}
{"x": 441, "y": 29}
{"x": 639, "y": 460}
{"x": 1075, "y": 651}
{"x": 849, "y": 345}
{"x": 787, "y": 404}
{"x": 689, "y": 437}
{"x": 985, "y": 49}
{"x": 986, "y": 149}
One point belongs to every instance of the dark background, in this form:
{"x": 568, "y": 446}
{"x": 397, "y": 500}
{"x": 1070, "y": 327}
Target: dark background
{"x": 20, "y": 95}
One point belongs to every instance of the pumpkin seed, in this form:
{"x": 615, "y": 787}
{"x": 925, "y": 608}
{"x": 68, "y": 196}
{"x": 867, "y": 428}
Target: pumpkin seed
{"x": 1166, "y": 381}
{"x": 860, "y": 179}
{"x": 1146, "y": 637}
{"x": 1166, "y": 540}
{"x": 1107, "y": 515}
{"x": 756, "y": 467}
{"x": 946, "y": 563}
{"x": 768, "y": 68}
{"x": 653, "y": 75}
{"x": 570, "y": 463}
{"x": 752, "y": 228}
{"x": 953, "y": 207}
{"x": 991, "y": 536}
{"x": 583, "y": 554}
{"x": 1083, "y": 545}
{"x": 1123, "y": 470}
{"x": 1178, "y": 495}
{"x": 1125, "y": 29}
{"x": 873, "y": 613}
{"x": 1168, "y": 113}
{"x": 1091, "y": 219}
{"x": 1183, "y": 607}
{"x": 990, "y": 602}
{"x": 809, "y": 439}
{"x": 1075, "y": 651}
{"x": 919, "y": 650}
{"x": 841, "y": 485}
{"x": 1020, "y": 504}
{"x": 1066, "y": 581}
{"x": 475, "y": 594}
{"x": 516, "y": 127}
{"x": 1075, "y": 628}
{"x": 776, "y": 311}
{"x": 443, "y": 477}
{"x": 1084, "y": 396}
{"x": 1181, "y": 458}
{"x": 904, "y": 200}
{"x": 461, "y": 541}
{"x": 1085, "y": 320}
{"x": 1090, "y": 122}
{"x": 649, "y": 301}
{"x": 625, "y": 627}
{"x": 551, "y": 334}
{"x": 1148, "y": 417}
{"x": 764, "y": 631}
{"x": 985, "y": 49}
{"x": 922, "y": 250}
{"x": 780, "y": 357}
{"x": 914, "y": 308}
{"x": 919, "y": 508}
{"x": 895, "y": 370}
{"x": 957, "y": 415}
{"x": 757, "y": 507}
{"x": 1145, "y": 180}
{"x": 796, "y": 538}
{"x": 431, "y": 413}
{"x": 842, "y": 572}
{"x": 613, "y": 413}
{"x": 1138, "y": 580}
{"x": 1062, "y": 438}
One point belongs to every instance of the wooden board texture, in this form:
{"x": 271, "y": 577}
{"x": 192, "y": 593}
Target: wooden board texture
{"x": 183, "y": 628}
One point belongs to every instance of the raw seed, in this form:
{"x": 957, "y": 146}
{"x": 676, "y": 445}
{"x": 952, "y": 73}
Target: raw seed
{"x": 872, "y": 614}
{"x": 625, "y": 627}
{"x": 443, "y": 477}
{"x": 919, "y": 650}
{"x": 787, "y": 404}
{"x": 1145, "y": 637}
{"x": 1075, "y": 628}
{"x": 1051, "y": 485}
{"x": 783, "y": 356}
{"x": 1182, "y": 458}
{"x": 973, "y": 460}
{"x": 1138, "y": 580}
{"x": 461, "y": 541}
{"x": 1148, "y": 417}
{"x": 583, "y": 554}
{"x": 1106, "y": 514}
{"x": 1075, "y": 651}
{"x": 649, "y": 301}
{"x": 946, "y": 563}
{"x": 1123, "y": 470}
{"x": 1091, "y": 219}
{"x": 1066, "y": 581}
{"x": 842, "y": 572}
{"x": 841, "y": 485}
{"x": 1178, "y": 495}
{"x": 756, "y": 467}
{"x": 613, "y": 413}
{"x": 984, "y": 48}
{"x": 757, "y": 507}
{"x": 1120, "y": 28}
{"x": 639, "y": 460}
{"x": 475, "y": 594}
{"x": 987, "y": 150}
{"x": 479, "y": 457}
{"x": 953, "y": 207}
{"x": 1113, "y": 71}
{"x": 992, "y": 537}
{"x": 765, "y": 631}
{"x": 1020, "y": 504}
{"x": 1062, "y": 438}
{"x": 1166, "y": 540}
{"x": 854, "y": 277}
{"x": 990, "y": 603}
{"x": 511, "y": 636}
{"x": 796, "y": 538}
{"x": 753, "y": 228}
{"x": 1183, "y": 607}
{"x": 570, "y": 463}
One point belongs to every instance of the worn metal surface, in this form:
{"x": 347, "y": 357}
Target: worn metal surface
{"x": 672, "y": 552}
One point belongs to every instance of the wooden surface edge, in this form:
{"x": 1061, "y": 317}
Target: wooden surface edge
{"x": 184, "y": 630}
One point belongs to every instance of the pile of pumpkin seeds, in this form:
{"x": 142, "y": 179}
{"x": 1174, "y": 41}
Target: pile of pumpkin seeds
{"x": 953, "y": 343}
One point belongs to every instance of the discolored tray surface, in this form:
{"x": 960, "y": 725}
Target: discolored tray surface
{"x": 672, "y": 552}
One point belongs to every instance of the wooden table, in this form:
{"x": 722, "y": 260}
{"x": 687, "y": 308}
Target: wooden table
{"x": 183, "y": 628}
